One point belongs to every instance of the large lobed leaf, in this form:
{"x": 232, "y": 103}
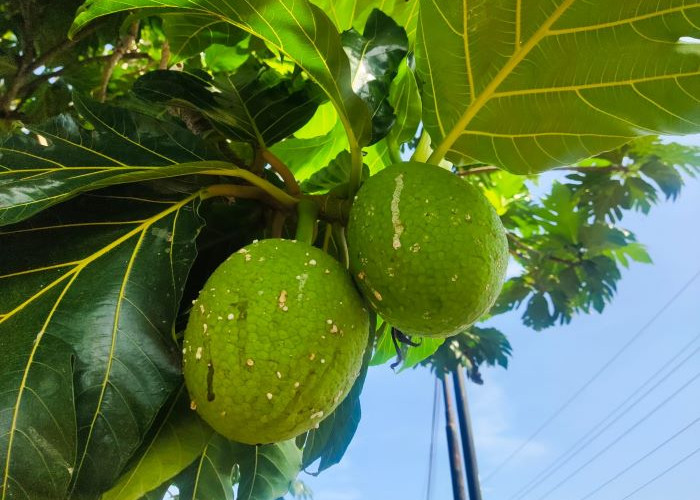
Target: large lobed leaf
{"x": 61, "y": 159}
{"x": 528, "y": 87}
{"x": 87, "y": 358}
{"x": 299, "y": 29}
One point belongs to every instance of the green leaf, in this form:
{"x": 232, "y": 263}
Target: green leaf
{"x": 189, "y": 34}
{"x": 253, "y": 105}
{"x": 62, "y": 159}
{"x": 335, "y": 174}
{"x": 211, "y": 475}
{"x": 300, "y": 29}
{"x": 87, "y": 273}
{"x": 334, "y": 434}
{"x": 179, "y": 438}
{"x": 267, "y": 470}
{"x": 500, "y": 87}
{"x": 374, "y": 59}
{"x": 306, "y": 156}
{"x": 320, "y": 124}
{"x": 425, "y": 349}
{"x": 384, "y": 350}
{"x": 347, "y": 14}
{"x": 404, "y": 96}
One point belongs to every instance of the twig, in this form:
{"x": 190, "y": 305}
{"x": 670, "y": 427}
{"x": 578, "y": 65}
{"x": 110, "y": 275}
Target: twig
{"x": 516, "y": 241}
{"x": 122, "y": 47}
{"x": 164, "y": 55}
{"x": 278, "y": 166}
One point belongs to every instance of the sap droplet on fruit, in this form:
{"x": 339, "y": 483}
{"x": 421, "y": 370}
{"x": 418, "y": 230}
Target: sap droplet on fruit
{"x": 198, "y": 354}
{"x": 230, "y": 316}
{"x": 249, "y": 362}
{"x": 318, "y": 414}
{"x": 269, "y": 395}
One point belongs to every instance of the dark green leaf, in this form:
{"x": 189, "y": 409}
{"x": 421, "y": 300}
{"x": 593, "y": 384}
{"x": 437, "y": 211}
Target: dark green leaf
{"x": 211, "y": 476}
{"x": 62, "y": 159}
{"x": 87, "y": 272}
{"x": 267, "y": 470}
{"x": 374, "y": 58}
{"x": 179, "y": 437}
{"x": 254, "y": 104}
{"x": 303, "y": 32}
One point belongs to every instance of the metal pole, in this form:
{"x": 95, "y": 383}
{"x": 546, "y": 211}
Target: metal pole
{"x": 456, "y": 468}
{"x": 465, "y": 427}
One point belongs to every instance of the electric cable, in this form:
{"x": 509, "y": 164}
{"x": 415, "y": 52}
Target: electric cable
{"x": 661, "y": 474}
{"x": 641, "y": 459}
{"x": 619, "y": 437}
{"x": 604, "y": 423}
{"x": 586, "y": 384}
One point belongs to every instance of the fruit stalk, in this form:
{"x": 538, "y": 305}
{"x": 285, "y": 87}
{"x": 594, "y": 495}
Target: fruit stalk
{"x": 307, "y": 215}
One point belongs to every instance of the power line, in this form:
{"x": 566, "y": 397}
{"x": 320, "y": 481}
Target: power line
{"x": 661, "y": 474}
{"x": 641, "y": 459}
{"x": 598, "y": 373}
{"x": 603, "y": 424}
{"x": 625, "y": 433}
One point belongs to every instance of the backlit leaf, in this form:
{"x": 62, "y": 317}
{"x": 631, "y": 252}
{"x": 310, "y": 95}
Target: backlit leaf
{"x": 528, "y": 87}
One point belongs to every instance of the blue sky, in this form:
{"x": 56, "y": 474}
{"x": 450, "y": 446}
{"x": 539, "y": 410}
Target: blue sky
{"x": 388, "y": 459}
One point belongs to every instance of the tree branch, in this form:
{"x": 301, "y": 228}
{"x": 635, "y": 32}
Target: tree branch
{"x": 122, "y": 48}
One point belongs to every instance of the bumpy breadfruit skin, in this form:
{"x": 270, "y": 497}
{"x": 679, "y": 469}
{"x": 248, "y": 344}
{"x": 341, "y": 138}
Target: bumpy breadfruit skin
{"x": 274, "y": 342}
{"x": 427, "y": 249}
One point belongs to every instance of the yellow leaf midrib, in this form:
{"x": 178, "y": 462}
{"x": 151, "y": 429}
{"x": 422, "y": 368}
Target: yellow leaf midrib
{"x": 478, "y": 103}
{"x": 72, "y": 274}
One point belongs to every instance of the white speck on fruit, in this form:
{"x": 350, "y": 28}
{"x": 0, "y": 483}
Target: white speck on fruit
{"x": 198, "y": 354}
{"x": 455, "y": 277}
{"x": 201, "y": 308}
{"x": 296, "y": 384}
{"x": 361, "y": 275}
{"x": 395, "y": 214}
{"x": 249, "y": 362}
{"x": 285, "y": 308}
{"x": 230, "y": 316}
{"x": 223, "y": 413}
{"x": 334, "y": 329}
{"x": 316, "y": 415}
{"x": 269, "y": 395}
{"x": 377, "y": 295}
{"x": 193, "y": 405}
{"x": 415, "y": 248}
{"x": 329, "y": 321}
{"x": 248, "y": 257}
{"x": 312, "y": 262}
{"x": 184, "y": 350}
{"x": 323, "y": 360}
{"x": 327, "y": 271}
{"x": 282, "y": 299}
{"x": 312, "y": 356}
{"x": 279, "y": 375}
{"x": 205, "y": 327}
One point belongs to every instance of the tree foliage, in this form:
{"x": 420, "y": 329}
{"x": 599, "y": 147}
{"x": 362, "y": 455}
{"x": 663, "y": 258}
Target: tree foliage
{"x": 144, "y": 142}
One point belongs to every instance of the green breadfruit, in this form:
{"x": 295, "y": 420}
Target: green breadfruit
{"x": 274, "y": 342}
{"x": 427, "y": 249}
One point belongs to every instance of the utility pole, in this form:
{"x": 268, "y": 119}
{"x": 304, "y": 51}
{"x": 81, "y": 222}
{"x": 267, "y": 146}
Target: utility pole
{"x": 456, "y": 467}
{"x": 465, "y": 427}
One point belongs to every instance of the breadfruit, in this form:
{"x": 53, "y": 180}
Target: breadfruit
{"x": 274, "y": 341}
{"x": 427, "y": 249}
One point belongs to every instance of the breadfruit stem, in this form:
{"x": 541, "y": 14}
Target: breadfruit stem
{"x": 341, "y": 242}
{"x": 422, "y": 151}
{"x": 355, "y": 171}
{"x": 278, "y": 166}
{"x": 307, "y": 215}
{"x": 221, "y": 168}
